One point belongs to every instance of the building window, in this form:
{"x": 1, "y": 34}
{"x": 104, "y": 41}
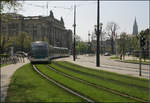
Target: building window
{"x": 11, "y": 26}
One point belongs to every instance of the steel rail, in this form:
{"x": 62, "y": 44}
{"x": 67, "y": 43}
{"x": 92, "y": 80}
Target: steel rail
{"x": 99, "y": 86}
{"x": 63, "y": 86}
{"x": 102, "y": 78}
{"x": 127, "y": 66}
{"x": 107, "y": 67}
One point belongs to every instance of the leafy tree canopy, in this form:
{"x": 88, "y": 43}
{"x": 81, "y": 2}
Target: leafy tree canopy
{"x": 9, "y": 4}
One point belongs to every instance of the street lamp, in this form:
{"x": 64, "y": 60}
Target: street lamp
{"x": 89, "y": 49}
{"x": 98, "y": 30}
{"x": 101, "y": 36}
{"x": 89, "y": 36}
{"x": 74, "y": 44}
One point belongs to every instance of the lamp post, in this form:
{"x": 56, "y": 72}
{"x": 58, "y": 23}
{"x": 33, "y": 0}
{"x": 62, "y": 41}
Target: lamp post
{"x": 98, "y": 30}
{"x": 74, "y": 44}
{"x": 116, "y": 45}
{"x": 89, "y": 44}
{"x": 97, "y": 53}
{"x": 101, "y": 37}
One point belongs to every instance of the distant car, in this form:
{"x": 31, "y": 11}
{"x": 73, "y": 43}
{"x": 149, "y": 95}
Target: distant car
{"x": 107, "y": 54}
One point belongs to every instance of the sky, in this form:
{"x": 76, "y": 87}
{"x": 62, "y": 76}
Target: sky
{"x": 121, "y": 12}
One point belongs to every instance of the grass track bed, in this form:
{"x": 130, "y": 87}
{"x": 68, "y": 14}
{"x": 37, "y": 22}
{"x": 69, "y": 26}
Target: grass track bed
{"x": 88, "y": 82}
{"x": 28, "y": 86}
{"x": 128, "y": 79}
{"x": 100, "y": 75}
{"x": 122, "y": 88}
{"x": 96, "y": 94}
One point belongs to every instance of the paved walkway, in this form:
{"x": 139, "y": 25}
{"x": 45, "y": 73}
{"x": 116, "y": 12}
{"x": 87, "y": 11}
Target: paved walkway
{"x": 111, "y": 65}
{"x": 6, "y": 74}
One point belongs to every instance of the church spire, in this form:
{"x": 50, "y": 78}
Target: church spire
{"x": 135, "y": 27}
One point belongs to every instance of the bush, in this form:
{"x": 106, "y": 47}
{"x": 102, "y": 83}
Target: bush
{"x": 4, "y": 55}
{"x": 114, "y": 57}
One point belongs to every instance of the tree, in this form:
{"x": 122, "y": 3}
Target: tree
{"x": 23, "y": 41}
{"x": 3, "y": 41}
{"x": 123, "y": 44}
{"x": 145, "y": 47}
{"x": 134, "y": 43}
{"x": 19, "y": 42}
{"x": 9, "y": 4}
{"x": 82, "y": 47}
{"x": 111, "y": 29}
{"x": 147, "y": 36}
{"x": 78, "y": 38}
{"x": 6, "y": 4}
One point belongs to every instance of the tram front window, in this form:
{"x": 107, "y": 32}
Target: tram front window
{"x": 39, "y": 51}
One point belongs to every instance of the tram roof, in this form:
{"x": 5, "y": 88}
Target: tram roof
{"x": 39, "y": 42}
{"x": 60, "y": 48}
{"x": 43, "y": 42}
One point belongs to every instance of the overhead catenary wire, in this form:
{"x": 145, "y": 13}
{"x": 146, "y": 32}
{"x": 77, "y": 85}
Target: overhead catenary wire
{"x": 59, "y": 7}
{"x": 71, "y": 10}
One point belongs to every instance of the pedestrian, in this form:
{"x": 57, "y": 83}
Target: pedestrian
{"x": 23, "y": 58}
{"x": 19, "y": 58}
{"x": 12, "y": 59}
{"x": 121, "y": 56}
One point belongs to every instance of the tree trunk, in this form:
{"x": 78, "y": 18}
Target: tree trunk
{"x": 112, "y": 46}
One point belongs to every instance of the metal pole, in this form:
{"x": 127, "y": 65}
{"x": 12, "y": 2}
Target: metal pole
{"x": 0, "y": 18}
{"x": 22, "y": 25}
{"x": 47, "y": 9}
{"x": 149, "y": 58}
{"x": 74, "y": 46}
{"x": 22, "y": 30}
{"x": 116, "y": 45}
{"x": 88, "y": 43}
{"x": 140, "y": 58}
{"x": 33, "y": 39}
{"x": 140, "y": 63}
{"x": 101, "y": 42}
{"x": 97, "y": 53}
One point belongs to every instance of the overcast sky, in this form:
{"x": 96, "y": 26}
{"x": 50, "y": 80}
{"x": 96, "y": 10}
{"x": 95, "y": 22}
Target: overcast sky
{"x": 121, "y": 12}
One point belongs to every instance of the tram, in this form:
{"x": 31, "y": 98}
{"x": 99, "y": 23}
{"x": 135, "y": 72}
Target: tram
{"x": 42, "y": 52}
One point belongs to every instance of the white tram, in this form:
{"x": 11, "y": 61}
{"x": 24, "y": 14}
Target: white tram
{"x": 43, "y": 52}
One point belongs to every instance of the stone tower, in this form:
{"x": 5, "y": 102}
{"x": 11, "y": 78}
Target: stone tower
{"x": 135, "y": 28}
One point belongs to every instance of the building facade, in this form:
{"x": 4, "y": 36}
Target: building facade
{"x": 46, "y": 28}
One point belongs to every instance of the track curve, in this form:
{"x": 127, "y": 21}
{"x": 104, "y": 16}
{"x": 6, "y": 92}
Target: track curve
{"x": 99, "y": 86}
{"x": 63, "y": 86}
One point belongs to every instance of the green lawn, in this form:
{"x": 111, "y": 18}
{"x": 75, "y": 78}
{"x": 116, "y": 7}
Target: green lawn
{"x": 130, "y": 61}
{"x": 114, "y": 57}
{"x": 98, "y": 95}
{"x": 136, "y": 62}
{"x": 28, "y": 86}
{"x": 2, "y": 65}
{"x": 107, "y": 80}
